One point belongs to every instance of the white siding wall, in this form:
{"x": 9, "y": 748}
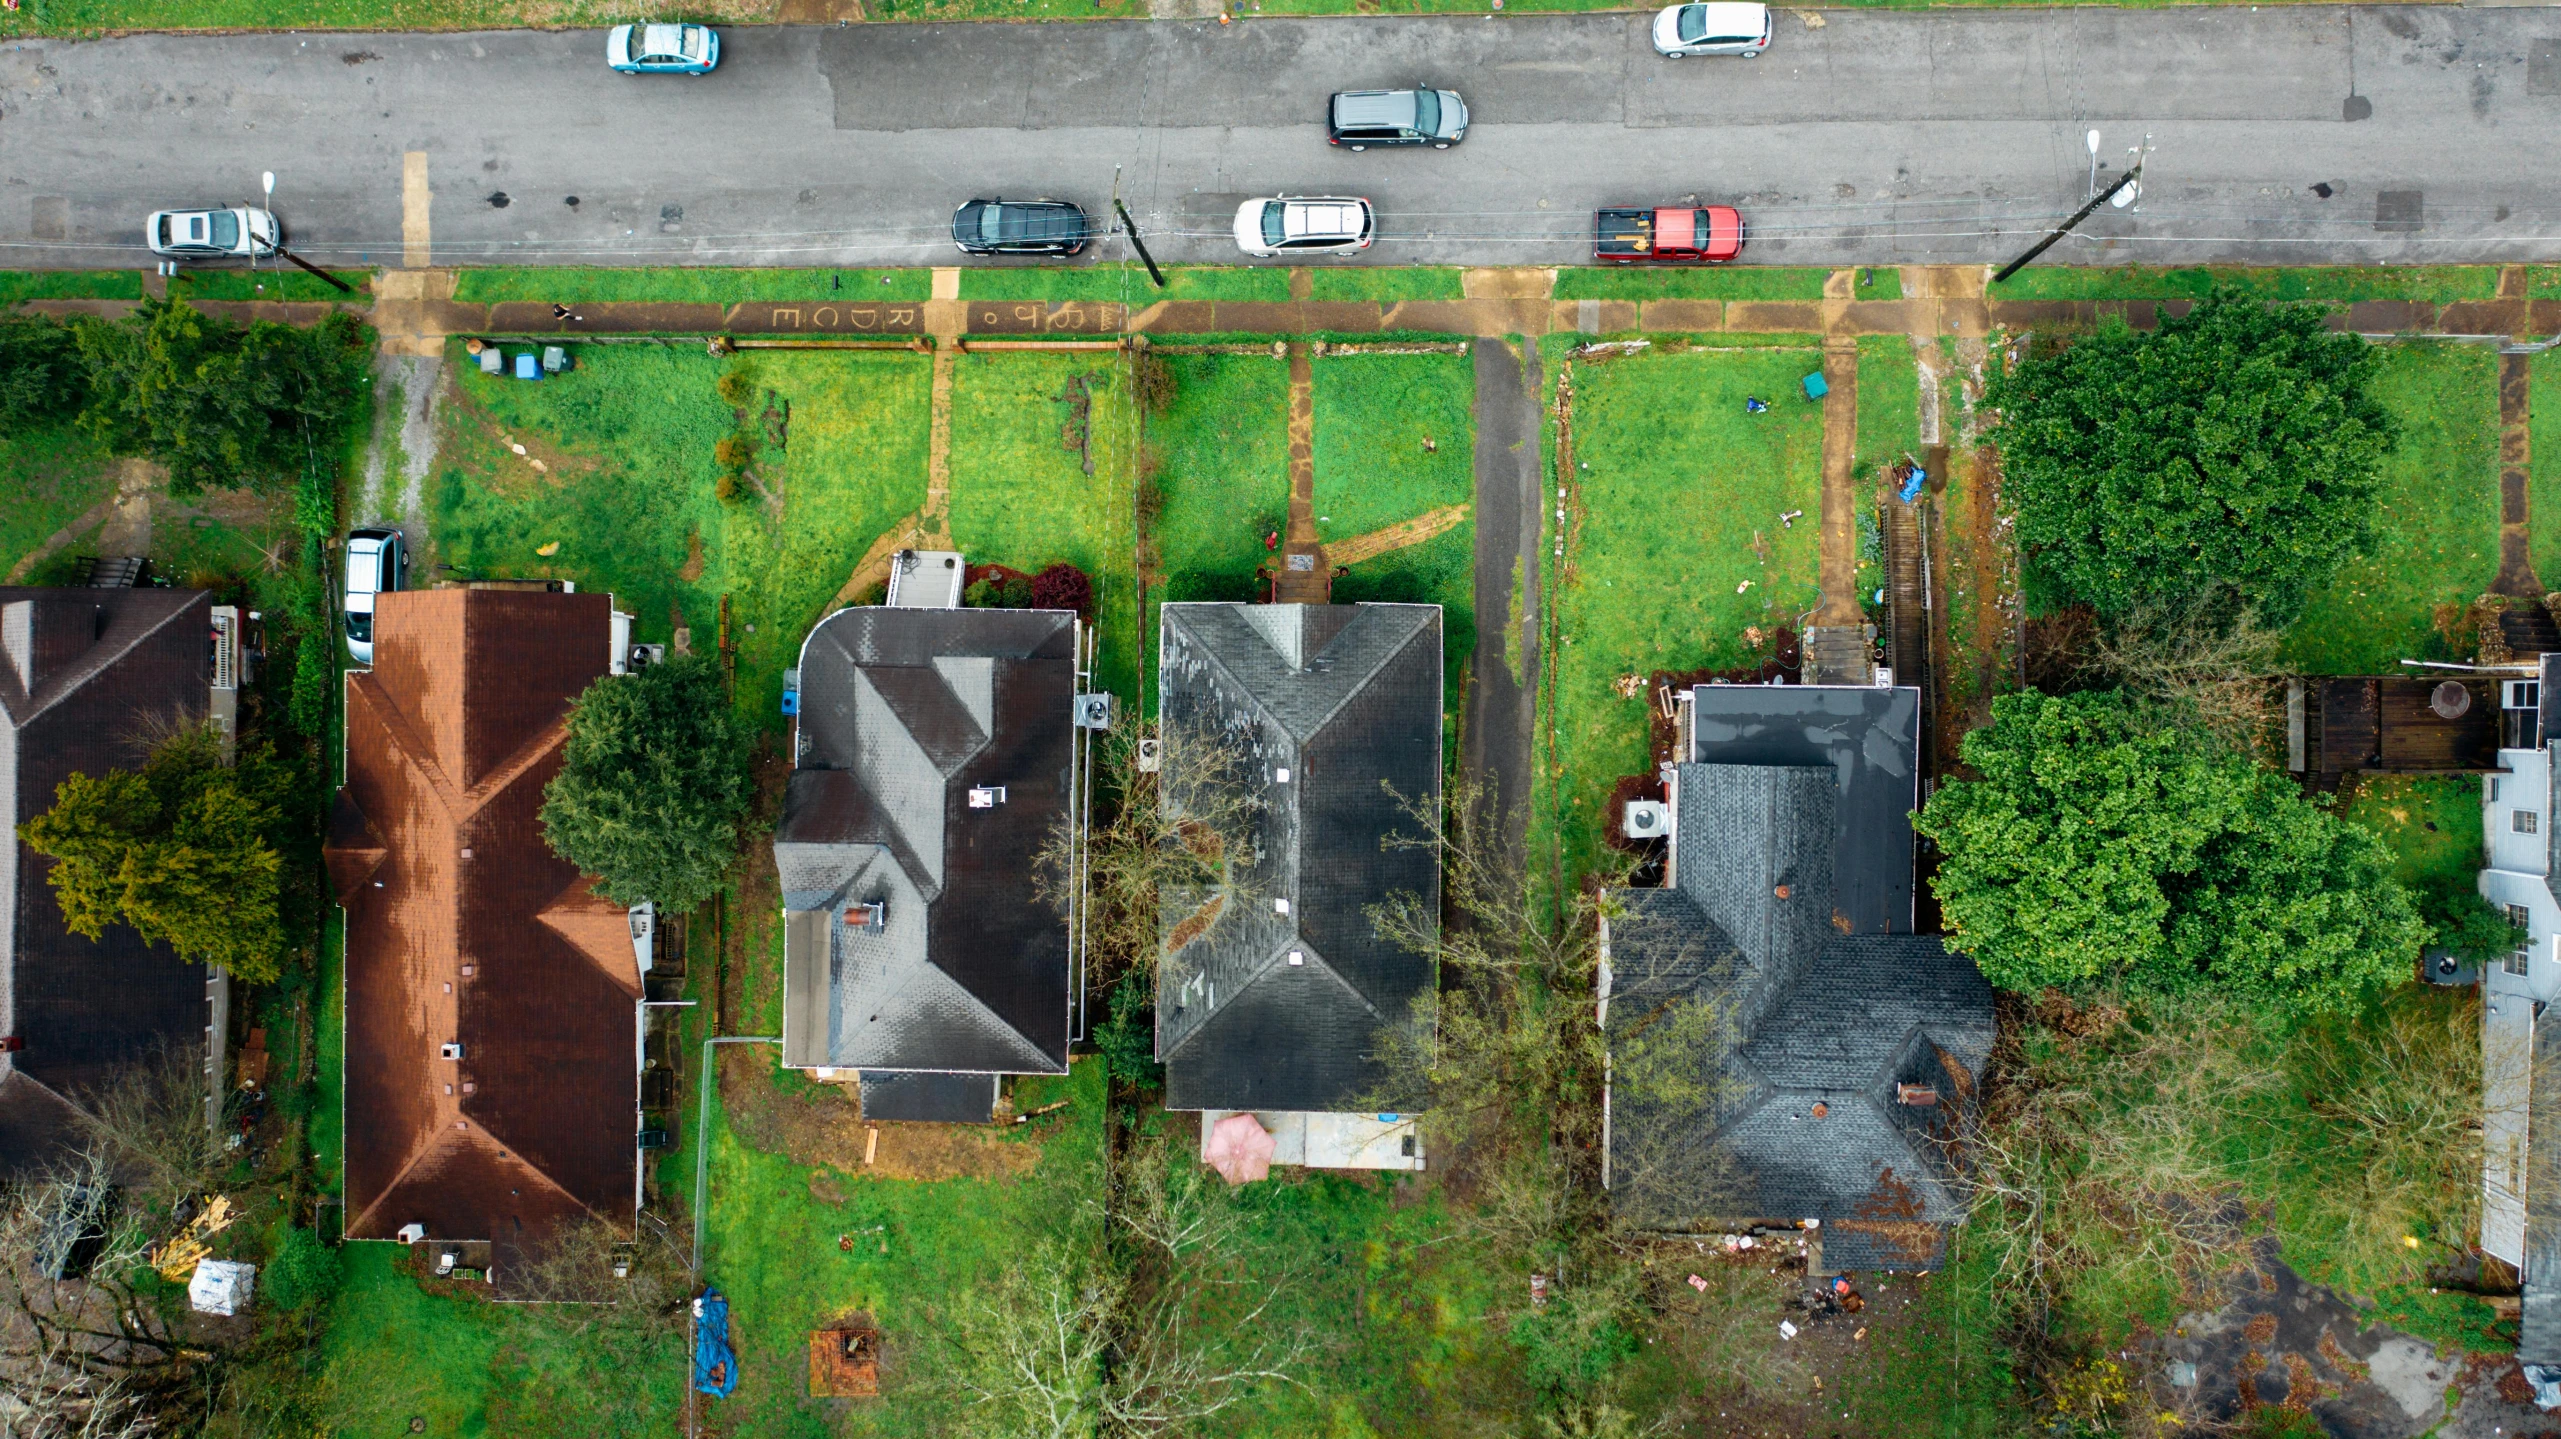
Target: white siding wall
{"x": 2518, "y": 861}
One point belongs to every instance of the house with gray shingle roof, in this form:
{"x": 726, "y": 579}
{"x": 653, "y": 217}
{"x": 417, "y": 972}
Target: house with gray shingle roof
{"x": 1783, "y": 1046}
{"x": 1273, "y": 995}
{"x": 934, "y": 755}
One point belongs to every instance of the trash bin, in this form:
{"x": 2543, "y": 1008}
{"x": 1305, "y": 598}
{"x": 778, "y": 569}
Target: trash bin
{"x": 493, "y": 361}
{"x": 554, "y": 359}
{"x": 1815, "y": 389}
{"x": 527, "y": 367}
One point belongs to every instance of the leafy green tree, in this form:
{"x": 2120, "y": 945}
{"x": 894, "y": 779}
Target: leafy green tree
{"x": 40, "y": 372}
{"x": 651, "y": 788}
{"x": 2094, "y": 850}
{"x": 224, "y": 405}
{"x": 2234, "y": 451}
{"x": 186, "y": 850}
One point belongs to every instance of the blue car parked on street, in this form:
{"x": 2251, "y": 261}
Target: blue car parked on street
{"x": 662, "y": 49}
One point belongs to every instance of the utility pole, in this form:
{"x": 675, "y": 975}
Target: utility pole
{"x": 1131, "y": 226}
{"x": 2041, "y": 246}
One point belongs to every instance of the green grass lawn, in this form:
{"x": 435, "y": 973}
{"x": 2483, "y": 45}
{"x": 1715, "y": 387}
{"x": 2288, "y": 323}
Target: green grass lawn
{"x": 394, "y": 1353}
{"x": 2137, "y": 282}
{"x": 1889, "y": 403}
{"x": 1123, "y": 280}
{"x": 628, "y": 494}
{"x": 2543, "y": 483}
{"x": 53, "y": 473}
{"x": 597, "y": 285}
{"x": 1386, "y": 283}
{"x": 1374, "y": 414}
{"x": 1221, "y": 457}
{"x": 2432, "y": 822}
{"x": 16, "y": 285}
{"x": 278, "y": 283}
{"x": 2440, "y": 516}
{"x": 1021, "y": 497}
{"x": 1676, "y": 483}
{"x": 1405, "y": 1308}
{"x": 772, "y": 1247}
{"x": 1738, "y": 282}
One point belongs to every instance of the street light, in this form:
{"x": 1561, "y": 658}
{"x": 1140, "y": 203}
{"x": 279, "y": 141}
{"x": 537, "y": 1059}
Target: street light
{"x": 2094, "y": 161}
{"x": 2130, "y": 194}
{"x": 267, "y": 202}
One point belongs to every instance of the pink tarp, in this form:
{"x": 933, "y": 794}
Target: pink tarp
{"x": 1239, "y": 1148}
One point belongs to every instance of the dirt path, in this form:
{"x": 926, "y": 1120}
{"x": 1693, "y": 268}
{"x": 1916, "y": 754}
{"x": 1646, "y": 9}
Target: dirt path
{"x": 1401, "y": 535}
{"x": 2516, "y": 415}
{"x": 1306, "y": 576}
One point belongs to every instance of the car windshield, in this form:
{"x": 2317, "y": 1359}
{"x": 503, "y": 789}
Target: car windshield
{"x": 360, "y": 628}
{"x": 991, "y": 223}
{"x": 1274, "y": 231}
{"x": 1693, "y": 24}
{"x": 1427, "y": 112}
{"x": 226, "y": 230}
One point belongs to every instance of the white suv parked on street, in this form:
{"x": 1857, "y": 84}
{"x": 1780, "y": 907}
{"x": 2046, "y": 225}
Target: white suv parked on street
{"x": 1301, "y": 225}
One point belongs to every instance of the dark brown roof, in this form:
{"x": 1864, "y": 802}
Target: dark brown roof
{"x": 85, "y": 675}
{"x": 463, "y": 927}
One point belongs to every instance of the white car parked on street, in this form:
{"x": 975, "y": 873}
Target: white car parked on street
{"x": 1720, "y": 27}
{"x": 1304, "y": 225}
{"x": 238, "y": 233}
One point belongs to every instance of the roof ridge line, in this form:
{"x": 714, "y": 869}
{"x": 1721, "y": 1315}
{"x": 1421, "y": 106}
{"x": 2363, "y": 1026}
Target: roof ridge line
{"x": 478, "y": 1135}
{"x": 60, "y": 691}
{"x": 513, "y": 767}
{"x": 1361, "y": 682}
{"x": 405, "y": 738}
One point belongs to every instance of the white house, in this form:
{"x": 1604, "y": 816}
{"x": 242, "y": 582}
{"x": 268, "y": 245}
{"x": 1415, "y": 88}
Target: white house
{"x": 2518, "y": 833}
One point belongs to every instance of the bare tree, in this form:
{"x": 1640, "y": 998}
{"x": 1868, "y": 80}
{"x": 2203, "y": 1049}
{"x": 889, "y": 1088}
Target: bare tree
{"x": 2201, "y": 668}
{"x": 626, "y": 1290}
{"x": 77, "y": 1345}
{"x": 152, "y": 1121}
{"x": 1174, "y": 856}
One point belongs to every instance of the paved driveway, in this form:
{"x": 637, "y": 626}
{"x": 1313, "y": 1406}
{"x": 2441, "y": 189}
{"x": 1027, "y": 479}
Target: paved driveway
{"x": 1861, "y": 137}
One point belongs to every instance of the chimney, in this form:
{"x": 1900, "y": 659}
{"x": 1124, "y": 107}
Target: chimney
{"x": 871, "y": 917}
{"x": 1920, "y": 1096}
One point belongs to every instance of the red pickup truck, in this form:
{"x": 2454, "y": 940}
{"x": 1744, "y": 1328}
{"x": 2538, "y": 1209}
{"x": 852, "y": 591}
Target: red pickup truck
{"x": 1706, "y": 235}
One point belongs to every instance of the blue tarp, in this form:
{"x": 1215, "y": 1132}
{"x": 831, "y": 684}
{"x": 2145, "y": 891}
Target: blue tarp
{"x": 715, "y": 1363}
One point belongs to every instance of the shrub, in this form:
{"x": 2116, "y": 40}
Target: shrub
{"x": 2094, "y": 850}
{"x": 301, "y": 1270}
{"x": 725, "y": 489}
{"x": 733, "y": 452}
{"x": 40, "y": 372}
{"x": 1062, "y": 587}
{"x": 738, "y": 383}
{"x": 651, "y": 788}
{"x": 1127, "y": 1038}
{"x": 2235, "y": 449}
{"x": 1151, "y": 383}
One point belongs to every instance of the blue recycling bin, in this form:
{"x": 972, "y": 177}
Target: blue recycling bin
{"x": 1815, "y": 389}
{"x": 528, "y": 366}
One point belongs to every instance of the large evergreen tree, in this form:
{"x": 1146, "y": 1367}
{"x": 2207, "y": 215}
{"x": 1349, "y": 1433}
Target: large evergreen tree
{"x": 2234, "y": 452}
{"x": 2093, "y": 850}
{"x": 651, "y": 787}
{"x": 224, "y": 406}
{"x": 186, "y": 850}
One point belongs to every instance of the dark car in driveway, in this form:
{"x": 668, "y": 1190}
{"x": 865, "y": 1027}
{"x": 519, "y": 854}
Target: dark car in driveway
{"x": 1020, "y": 227}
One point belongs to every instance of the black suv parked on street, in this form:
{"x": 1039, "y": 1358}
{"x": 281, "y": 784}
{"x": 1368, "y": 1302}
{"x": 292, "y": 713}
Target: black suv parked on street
{"x": 1359, "y": 119}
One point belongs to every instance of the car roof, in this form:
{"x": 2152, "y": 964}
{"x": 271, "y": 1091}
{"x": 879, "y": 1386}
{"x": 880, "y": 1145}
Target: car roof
{"x": 1384, "y": 109}
{"x": 1734, "y": 17}
{"x": 1304, "y": 219}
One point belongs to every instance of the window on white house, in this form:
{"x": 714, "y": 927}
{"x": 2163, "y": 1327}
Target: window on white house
{"x": 2524, "y": 821}
{"x": 2514, "y": 961}
{"x": 2494, "y": 789}
{"x": 2518, "y": 915}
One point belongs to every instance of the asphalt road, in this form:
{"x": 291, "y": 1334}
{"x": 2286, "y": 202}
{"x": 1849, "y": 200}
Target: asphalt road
{"x": 1862, "y": 137}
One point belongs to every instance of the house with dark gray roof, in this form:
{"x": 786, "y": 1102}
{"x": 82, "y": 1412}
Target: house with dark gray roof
{"x": 1274, "y": 988}
{"x": 1784, "y": 1047}
{"x": 85, "y": 675}
{"x": 935, "y": 760}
